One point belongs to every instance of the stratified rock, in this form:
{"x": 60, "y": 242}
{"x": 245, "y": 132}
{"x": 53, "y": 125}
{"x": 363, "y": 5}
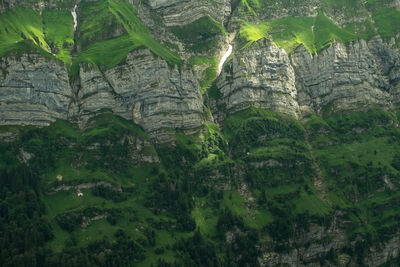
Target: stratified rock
{"x": 95, "y": 93}
{"x": 346, "y": 77}
{"x": 33, "y": 90}
{"x": 146, "y": 90}
{"x": 183, "y": 12}
{"x": 260, "y": 75}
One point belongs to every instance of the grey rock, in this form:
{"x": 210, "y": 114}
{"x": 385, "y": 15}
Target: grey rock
{"x": 379, "y": 255}
{"x": 146, "y": 90}
{"x": 352, "y": 76}
{"x": 33, "y": 90}
{"x": 95, "y": 93}
{"x": 260, "y": 75}
{"x": 342, "y": 77}
{"x": 176, "y": 13}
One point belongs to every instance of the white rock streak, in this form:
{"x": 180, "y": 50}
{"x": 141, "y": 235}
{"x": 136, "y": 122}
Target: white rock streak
{"x": 74, "y": 16}
{"x": 224, "y": 58}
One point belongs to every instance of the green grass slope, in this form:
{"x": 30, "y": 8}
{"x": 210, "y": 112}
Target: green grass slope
{"x": 316, "y": 33}
{"x": 100, "y": 19}
{"x": 51, "y": 32}
{"x": 18, "y": 26}
{"x": 358, "y": 155}
{"x": 201, "y": 35}
{"x": 255, "y": 178}
{"x": 58, "y": 30}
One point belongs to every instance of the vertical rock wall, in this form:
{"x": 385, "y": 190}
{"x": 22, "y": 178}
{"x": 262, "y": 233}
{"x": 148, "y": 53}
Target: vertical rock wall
{"x": 34, "y": 90}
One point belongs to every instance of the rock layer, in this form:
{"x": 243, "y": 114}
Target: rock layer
{"x": 261, "y": 76}
{"x": 342, "y": 77}
{"x": 146, "y": 90}
{"x": 178, "y": 13}
{"x": 33, "y": 90}
{"x": 36, "y": 90}
{"x": 346, "y": 76}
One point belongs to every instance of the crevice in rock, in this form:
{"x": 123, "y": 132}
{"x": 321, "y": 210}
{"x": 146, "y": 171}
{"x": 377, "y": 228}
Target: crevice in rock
{"x": 113, "y": 91}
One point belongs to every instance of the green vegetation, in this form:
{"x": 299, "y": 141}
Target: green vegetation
{"x": 386, "y": 20}
{"x": 24, "y": 29}
{"x": 59, "y": 33}
{"x": 255, "y": 179}
{"x": 209, "y": 73}
{"x": 221, "y": 196}
{"x": 357, "y": 154}
{"x": 21, "y": 27}
{"x": 257, "y": 135}
{"x": 101, "y": 18}
{"x": 201, "y": 35}
{"x": 316, "y": 33}
{"x": 326, "y": 32}
{"x": 253, "y": 33}
{"x": 249, "y": 4}
{"x": 52, "y": 33}
{"x": 116, "y": 50}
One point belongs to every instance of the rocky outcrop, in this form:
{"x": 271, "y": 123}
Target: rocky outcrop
{"x": 270, "y": 10}
{"x": 342, "y": 77}
{"x": 379, "y": 255}
{"x": 182, "y": 12}
{"x": 320, "y": 242}
{"x": 94, "y": 92}
{"x": 36, "y": 5}
{"x": 346, "y": 77}
{"x": 262, "y": 76}
{"x": 34, "y": 90}
{"x": 146, "y": 90}
{"x": 66, "y": 187}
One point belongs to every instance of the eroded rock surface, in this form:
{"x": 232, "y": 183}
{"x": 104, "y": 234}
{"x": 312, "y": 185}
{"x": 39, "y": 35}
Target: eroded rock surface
{"x": 34, "y": 90}
{"x": 342, "y": 77}
{"x": 261, "y": 76}
{"x": 183, "y": 12}
{"x": 146, "y": 90}
{"x": 346, "y": 77}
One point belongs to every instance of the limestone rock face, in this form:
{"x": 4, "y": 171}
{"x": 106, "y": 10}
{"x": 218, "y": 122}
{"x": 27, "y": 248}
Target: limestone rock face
{"x": 280, "y": 9}
{"x": 95, "y": 93}
{"x": 346, "y": 76}
{"x": 34, "y": 90}
{"x": 146, "y": 90}
{"x": 262, "y": 76}
{"x": 183, "y": 12}
{"x": 342, "y": 77}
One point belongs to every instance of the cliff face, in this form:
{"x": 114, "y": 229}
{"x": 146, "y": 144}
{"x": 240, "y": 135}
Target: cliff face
{"x": 264, "y": 129}
{"x": 261, "y": 75}
{"x": 179, "y": 13}
{"x": 146, "y": 90}
{"x": 343, "y": 77}
{"x": 34, "y": 90}
{"x": 347, "y": 77}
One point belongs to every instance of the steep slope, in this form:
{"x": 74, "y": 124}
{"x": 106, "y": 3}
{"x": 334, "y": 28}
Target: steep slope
{"x": 120, "y": 144}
